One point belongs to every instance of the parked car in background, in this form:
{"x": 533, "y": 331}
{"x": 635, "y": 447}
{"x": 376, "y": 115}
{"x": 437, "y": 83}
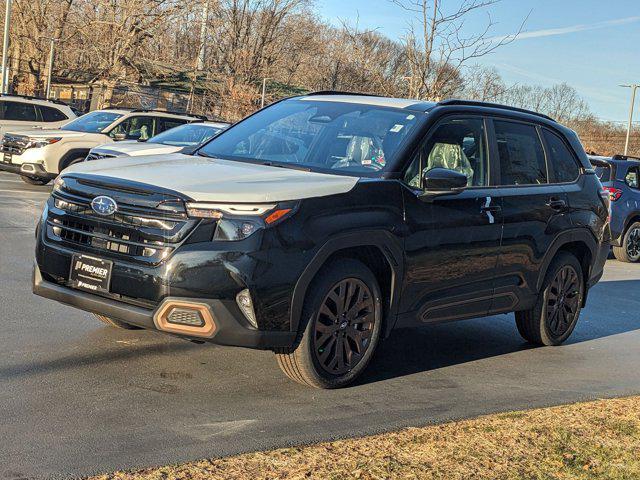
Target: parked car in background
{"x": 170, "y": 141}
{"x": 317, "y": 225}
{"x": 22, "y": 112}
{"x": 39, "y": 155}
{"x": 620, "y": 176}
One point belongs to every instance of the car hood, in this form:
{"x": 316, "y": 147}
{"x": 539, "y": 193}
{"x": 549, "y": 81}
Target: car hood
{"x": 135, "y": 148}
{"x": 46, "y": 133}
{"x": 215, "y": 180}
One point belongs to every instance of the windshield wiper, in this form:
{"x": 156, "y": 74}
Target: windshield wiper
{"x": 292, "y": 166}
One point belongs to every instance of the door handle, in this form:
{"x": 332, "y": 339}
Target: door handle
{"x": 557, "y": 204}
{"x": 492, "y": 208}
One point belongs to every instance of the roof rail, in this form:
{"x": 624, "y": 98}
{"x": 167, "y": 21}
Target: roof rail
{"x": 338, "y": 92}
{"x": 31, "y": 97}
{"x": 455, "y": 101}
{"x": 625, "y": 157}
{"x": 171, "y": 112}
{"x": 115, "y": 107}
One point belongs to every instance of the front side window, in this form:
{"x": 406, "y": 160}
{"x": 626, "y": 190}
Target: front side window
{"x": 186, "y": 135}
{"x": 603, "y": 172}
{"x": 631, "y": 178}
{"x": 521, "y": 155}
{"x": 134, "y": 128}
{"x": 94, "y": 122}
{"x": 19, "y": 111}
{"x": 457, "y": 144}
{"x": 563, "y": 163}
{"x": 336, "y": 137}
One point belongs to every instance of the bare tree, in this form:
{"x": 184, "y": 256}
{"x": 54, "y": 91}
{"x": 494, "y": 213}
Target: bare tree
{"x": 437, "y": 46}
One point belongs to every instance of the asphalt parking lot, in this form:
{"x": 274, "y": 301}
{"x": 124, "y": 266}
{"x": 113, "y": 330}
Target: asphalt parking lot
{"x": 78, "y": 398}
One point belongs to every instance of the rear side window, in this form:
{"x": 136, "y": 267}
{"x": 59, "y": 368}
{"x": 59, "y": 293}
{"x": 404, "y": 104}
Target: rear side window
{"x": 521, "y": 155}
{"x": 562, "y": 161}
{"x": 50, "y": 114}
{"x": 631, "y": 178}
{"x": 167, "y": 124}
{"x": 19, "y": 111}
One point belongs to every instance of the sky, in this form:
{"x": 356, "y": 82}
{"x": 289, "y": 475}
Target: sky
{"x": 593, "y": 45}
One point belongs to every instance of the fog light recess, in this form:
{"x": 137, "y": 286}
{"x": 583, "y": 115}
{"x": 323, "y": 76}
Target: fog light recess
{"x": 185, "y": 318}
{"x": 243, "y": 299}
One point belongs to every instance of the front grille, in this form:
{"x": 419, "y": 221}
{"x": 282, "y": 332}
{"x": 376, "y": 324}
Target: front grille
{"x": 136, "y": 231}
{"x": 14, "y": 144}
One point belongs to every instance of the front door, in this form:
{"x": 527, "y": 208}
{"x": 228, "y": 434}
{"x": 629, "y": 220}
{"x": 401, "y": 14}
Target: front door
{"x": 453, "y": 241}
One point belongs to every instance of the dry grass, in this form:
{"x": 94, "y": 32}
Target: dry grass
{"x": 583, "y": 441}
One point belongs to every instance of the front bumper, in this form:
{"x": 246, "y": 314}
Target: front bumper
{"x": 36, "y": 170}
{"x": 229, "y": 330}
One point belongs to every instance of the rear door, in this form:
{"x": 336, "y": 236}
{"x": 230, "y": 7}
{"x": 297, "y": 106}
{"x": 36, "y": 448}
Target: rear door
{"x": 535, "y": 210}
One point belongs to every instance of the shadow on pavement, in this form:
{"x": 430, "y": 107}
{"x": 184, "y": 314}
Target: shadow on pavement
{"x": 409, "y": 351}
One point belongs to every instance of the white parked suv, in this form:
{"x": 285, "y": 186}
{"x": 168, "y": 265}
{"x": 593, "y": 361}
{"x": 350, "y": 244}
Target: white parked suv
{"x": 39, "y": 155}
{"x": 20, "y": 112}
{"x": 170, "y": 141}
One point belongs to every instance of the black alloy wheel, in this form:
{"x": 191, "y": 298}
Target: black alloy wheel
{"x": 344, "y": 325}
{"x": 633, "y": 244}
{"x": 563, "y": 301}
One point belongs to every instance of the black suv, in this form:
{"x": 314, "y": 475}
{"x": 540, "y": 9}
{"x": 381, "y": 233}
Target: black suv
{"x": 620, "y": 176}
{"x": 317, "y": 225}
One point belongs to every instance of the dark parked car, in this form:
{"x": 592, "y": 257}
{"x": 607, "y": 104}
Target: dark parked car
{"x": 319, "y": 224}
{"x": 620, "y": 176}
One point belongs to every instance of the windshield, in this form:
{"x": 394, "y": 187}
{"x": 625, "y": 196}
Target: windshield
{"x": 186, "y": 135}
{"x": 94, "y": 122}
{"x": 328, "y": 136}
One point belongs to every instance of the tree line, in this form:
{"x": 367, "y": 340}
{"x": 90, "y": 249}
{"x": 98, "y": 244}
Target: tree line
{"x": 223, "y": 49}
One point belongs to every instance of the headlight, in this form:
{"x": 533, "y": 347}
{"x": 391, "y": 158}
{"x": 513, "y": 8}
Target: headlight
{"x": 58, "y": 183}
{"x": 239, "y": 221}
{"x": 42, "y": 142}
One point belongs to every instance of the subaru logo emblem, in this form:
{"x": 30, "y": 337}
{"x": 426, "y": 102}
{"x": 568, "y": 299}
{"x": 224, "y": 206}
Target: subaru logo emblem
{"x": 103, "y": 205}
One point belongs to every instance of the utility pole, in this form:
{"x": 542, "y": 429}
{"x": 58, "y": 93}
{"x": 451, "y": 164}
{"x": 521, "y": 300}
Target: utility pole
{"x": 203, "y": 36}
{"x": 5, "y": 47}
{"x": 633, "y": 88}
{"x": 264, "y": 91}
{"x": 50, "y": 68}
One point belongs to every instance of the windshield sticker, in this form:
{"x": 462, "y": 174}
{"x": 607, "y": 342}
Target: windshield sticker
{"x": 396, "y": 128}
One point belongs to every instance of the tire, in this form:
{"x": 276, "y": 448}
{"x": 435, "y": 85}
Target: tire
{"x": 112, "y": 322}
{"x": 327, "y": 331}
{"x": 35, "y": 181}
{"x": 547, "y": 323}
{"x": 629, "y": 252}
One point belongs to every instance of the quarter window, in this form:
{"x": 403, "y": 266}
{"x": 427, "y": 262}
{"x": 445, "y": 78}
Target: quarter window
{"x": 521, "y": 155}
{"x": 458, "y": 145}
{"x": 50, "y": 114}
{"x": 562, "y": 160}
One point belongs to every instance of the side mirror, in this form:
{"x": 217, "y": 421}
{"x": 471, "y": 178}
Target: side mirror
{"x": 442, "y": 181}
{"x": 118, "y": 137}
